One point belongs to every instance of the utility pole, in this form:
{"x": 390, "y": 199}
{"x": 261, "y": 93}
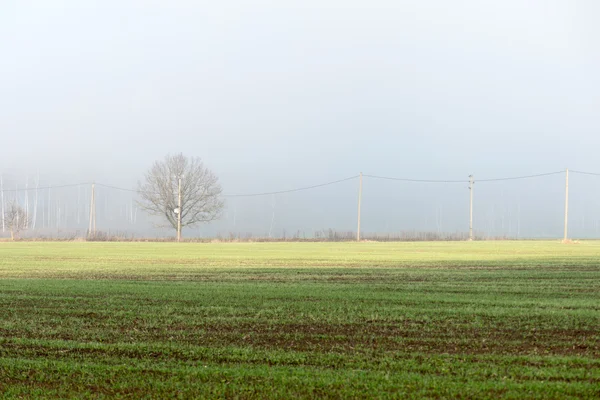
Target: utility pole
{"x": 35, "y": 202}
{"x": 78, "y": 205}
{"x": 27, "y": 219}
{"x": 92, "y": 227}
{"x": 49, "y": 210}
{"x": 94, "y": 194}
{"x": 471, "y": 184}
{"x": 566, "y": 206}
{"x": 179, "y": 213}
{"x": 2, "y": 194}
{"x": 359, "y": 205}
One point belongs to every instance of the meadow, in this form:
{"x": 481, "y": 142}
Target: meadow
{"x": 506, "y": 319}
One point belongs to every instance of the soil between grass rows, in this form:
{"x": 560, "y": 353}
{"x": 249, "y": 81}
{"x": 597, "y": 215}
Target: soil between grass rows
{"x": 439, "y": 330}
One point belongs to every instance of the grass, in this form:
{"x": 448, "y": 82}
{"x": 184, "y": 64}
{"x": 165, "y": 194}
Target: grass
{"x": 284, "y": 320}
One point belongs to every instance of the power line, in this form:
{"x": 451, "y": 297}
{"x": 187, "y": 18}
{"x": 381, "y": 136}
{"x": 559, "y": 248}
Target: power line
{"x": 585, "y": 173}
{"x": 520, "y": 177}
{"x": 414, "y": 180}
{"x": 313, "y": 186}
{"x": 464, "y": 181}
{"x": 116, "y": 188}
{"x": 45, "y": 187}
{"x": 252, "y": 194}
{"x": 291, "y": 190}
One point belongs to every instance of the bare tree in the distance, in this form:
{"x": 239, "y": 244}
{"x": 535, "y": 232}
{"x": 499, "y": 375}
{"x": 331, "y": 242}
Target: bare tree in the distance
{"x": 15, "y": 219}
{"x": 200, "y": 191}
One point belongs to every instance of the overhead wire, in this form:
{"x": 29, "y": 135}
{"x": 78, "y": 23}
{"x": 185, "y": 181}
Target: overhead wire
{"x": 463, "y": 180}
{"x": 252, "y": 194}
{"x": 585, "y": 173}
{"x": 116, "y": 188}
{"x": 44, "y": 187}
{"x": 414, "y": 180}
{"x": 520, "y": 177}
{"x": 292, "y": 190}
{"x": 312, "y": 186}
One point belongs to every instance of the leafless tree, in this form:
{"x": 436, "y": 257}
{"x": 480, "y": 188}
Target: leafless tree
{"x": 201, "y": 200}
{"x": 15, "y": 219}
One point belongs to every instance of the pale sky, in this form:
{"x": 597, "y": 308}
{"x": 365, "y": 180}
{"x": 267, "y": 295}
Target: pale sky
{"x": 280, "y": 94}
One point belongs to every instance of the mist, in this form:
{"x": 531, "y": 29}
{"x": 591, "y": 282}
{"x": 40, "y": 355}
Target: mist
{"x": 275, "y": 96}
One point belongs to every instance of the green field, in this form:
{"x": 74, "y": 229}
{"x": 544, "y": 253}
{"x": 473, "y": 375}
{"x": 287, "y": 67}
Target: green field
{"x": 300, "y": 320}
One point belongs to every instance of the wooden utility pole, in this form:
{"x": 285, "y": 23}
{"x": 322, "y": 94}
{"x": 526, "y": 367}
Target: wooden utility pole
{"x": 566, "y": 237}
{"x": 92, "y": 227}
{"x": 359, "y": 205}
{"x": 471, "y": 184}
{"x": 179, "y": 212}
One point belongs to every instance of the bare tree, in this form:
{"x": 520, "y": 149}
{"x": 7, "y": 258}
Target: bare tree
{"x": 201, "y": 200}
{"x": 15, "y": 219}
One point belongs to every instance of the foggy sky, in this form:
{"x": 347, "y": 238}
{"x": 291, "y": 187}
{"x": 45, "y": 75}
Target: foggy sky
{"x": 279, "y": 94}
